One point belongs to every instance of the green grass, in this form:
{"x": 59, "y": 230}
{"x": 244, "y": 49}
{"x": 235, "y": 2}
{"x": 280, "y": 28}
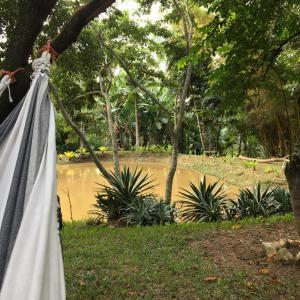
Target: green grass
{"x": 236, "y": 172}
{"x": 155, "y": 263}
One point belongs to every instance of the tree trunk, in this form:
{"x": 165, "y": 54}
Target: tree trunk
{"x": 137, "y": 122}
{"x": 292, "y": 174}
{"x": 176, "y": 135}
{"x": 114, "y": 143}
{"x": 200, "y": 131}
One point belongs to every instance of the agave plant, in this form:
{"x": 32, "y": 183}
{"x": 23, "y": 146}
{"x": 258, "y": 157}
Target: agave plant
{"x": 113, "y": 199}
{"x": 205, "y": 202}
{"x": 149, "y": 211}
{"x": 255, "y": 202}
{"x": 282, "y": 200}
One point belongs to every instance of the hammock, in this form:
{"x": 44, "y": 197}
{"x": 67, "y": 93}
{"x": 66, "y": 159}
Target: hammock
{"x": 31, "y": 266}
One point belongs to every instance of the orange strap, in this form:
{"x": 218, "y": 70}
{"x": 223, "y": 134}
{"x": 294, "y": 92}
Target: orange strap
{"x": 48, "y": 47}
{"x": 11, "y": 74}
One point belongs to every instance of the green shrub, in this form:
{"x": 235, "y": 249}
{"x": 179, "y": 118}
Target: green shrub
{"x": 282, "y": 200}
{"x": 255, "y": 202}
{"x": 113, "y": 199}
{"x": 149, "y": 211}
{"x": 251, "y": 165}
{"x": 205, "y": 202}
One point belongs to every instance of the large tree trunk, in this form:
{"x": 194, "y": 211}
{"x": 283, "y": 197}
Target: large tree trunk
{"x": 176, "y": 135}
{"x": 137, "y": 122}
{"x": 292, "y": 174}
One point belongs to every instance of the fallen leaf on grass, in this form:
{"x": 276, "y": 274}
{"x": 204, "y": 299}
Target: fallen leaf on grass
{"x": 264, "y": 271}
{"x": 271, "y": 256}
{"x": 249, "y": 284}
{"x": 236, "y": 227}
{"x": 275, "y": 280}
{"x": 211, "y": 279}
{"x": 82, "y": 283}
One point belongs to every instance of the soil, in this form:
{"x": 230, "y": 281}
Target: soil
{"x": 241, "y": 249}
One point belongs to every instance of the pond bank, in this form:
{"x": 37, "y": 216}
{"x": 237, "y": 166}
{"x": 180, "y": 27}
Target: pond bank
{"x": 231, "y": 171}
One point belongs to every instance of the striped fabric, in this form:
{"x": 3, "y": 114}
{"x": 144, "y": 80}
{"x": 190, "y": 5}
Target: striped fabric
{"x": 31, "y": 266}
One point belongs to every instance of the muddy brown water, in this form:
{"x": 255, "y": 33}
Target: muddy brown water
{"x": 81, "y": 182}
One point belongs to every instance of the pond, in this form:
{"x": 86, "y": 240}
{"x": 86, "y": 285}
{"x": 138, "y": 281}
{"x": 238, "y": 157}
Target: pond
{"x": 80, "y": 181}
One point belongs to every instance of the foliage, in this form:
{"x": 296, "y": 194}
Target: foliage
{"x": 149, "y": 211}
{"x": 251, "y": 165}
{"x": 256, "y": 202}
{"x": 70, "y": 155}
{"x": 282, "y": 200}
{"x": 113, "y": 199}
{"x": 154, "y": 148}
{"x": 81, "y": 151}
{"x": 205, "y": 202}
{"x": 102, "y": 149}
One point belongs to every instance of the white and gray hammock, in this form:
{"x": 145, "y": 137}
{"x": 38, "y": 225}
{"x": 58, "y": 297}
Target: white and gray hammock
{"x": 31, "y": 266}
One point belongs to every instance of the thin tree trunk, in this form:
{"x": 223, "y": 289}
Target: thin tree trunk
{"x": 114, "y": 143}
{"x": 188, "y": 33}
{"x": 68, "y": 119}
{"x": 176, "y": 135}
{"x": 240, "y": 145}
{"x": 137, "y": 122}
{"x": 200, "y": 131}
{"x": 81, "y": 144}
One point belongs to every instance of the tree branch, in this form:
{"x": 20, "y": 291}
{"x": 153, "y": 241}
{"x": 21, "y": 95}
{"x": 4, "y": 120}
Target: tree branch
{"x": 79, "y": 20}
{"x": 79, "y": 132}
{"x": 133, "y": 79}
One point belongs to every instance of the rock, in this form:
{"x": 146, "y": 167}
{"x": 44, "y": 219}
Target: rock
{"x": 269, "y": 249}
{"x": 283, "y": 255}
{"x": 283, "y": 243}
{"x": 297, "y": 258}
{"x": 292, "y": 243}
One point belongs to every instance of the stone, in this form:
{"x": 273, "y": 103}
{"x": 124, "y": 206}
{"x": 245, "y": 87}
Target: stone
{"x": 292, "y": 243}
{"x": 297, "y": 258}
{"x": 283, "y": 243}
{"x": 283, "y": 255}
{"x": 269, "y": 249}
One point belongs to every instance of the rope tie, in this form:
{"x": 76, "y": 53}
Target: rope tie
{"x": 48, "y": 48}
{"x": 8, "y": 79}
{"x": 41, "y": 65}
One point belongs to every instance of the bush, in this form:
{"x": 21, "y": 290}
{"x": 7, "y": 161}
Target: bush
{"x": 251, "y": 165}
{"x": 112, "y": 200}
{"x": 149, "y": 211}
{"x": 203, "y": 203}
{"x": 255, "y": 202}
{"x": 282, "y": 200}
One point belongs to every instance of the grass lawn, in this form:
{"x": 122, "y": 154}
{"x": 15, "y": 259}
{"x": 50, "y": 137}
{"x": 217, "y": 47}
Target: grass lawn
{"x": 188, "y": 261}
